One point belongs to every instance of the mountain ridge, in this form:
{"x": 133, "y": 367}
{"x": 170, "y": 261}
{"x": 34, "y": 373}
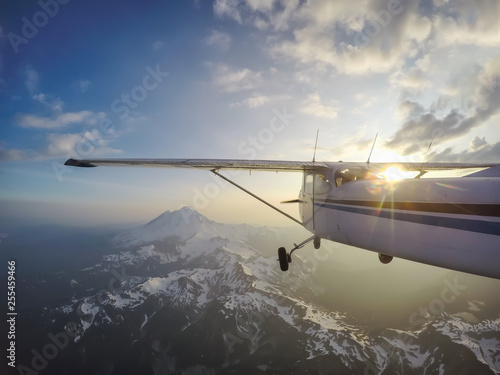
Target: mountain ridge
{"x": 205, "y": 300}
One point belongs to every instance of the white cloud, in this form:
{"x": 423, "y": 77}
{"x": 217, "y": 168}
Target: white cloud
{"x": 229, "y": 9}
{"x": 228, "y": 80}
{"x": 467, "y": 22}
{"x": 259, "y": 100}
{"x": 11, "y": 154}
{"x": 260, "y": 23}
{"x": 31, "y": 80}
{"x": 422, "y": 125}
{"x": 218, "y": 39}
{"x": 356, "y": 39}
{"x": 413, "y": 79}
{"x": 59, "y": 121}
{"x": 59, "y": 145}
{"x": 40, "y": 97}
{"x": 260, "y": 5}
{"x": 314, "y": 106}
{"x": 65, "y": 145}
{"x": 360, "y": 37}
{"x": 262, "y": 14}
{"x": 84, "y": 85}
{"x": 55, "y": 104}
{"x": 408, "y": 109}
{"x": 253, "y": 102}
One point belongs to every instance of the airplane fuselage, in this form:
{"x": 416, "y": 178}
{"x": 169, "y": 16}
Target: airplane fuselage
{"x": 446, "y": 222}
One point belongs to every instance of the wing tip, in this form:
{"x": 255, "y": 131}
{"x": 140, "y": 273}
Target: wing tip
{"x": 79, "y": 163}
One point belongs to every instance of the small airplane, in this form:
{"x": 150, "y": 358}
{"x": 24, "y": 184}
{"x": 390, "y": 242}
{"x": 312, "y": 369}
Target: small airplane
{"x": 389, "y": 208}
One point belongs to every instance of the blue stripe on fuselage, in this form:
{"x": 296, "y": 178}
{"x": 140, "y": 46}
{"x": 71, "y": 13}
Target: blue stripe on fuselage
{"x": 479, "y": 226}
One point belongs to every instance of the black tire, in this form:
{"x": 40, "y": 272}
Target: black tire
{"x": 317, "y": 242}
{"x": 384, "y": 258}
{"x": 283, "y": 258}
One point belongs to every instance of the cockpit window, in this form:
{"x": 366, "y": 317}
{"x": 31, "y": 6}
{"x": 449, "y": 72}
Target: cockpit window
{"x": 343, "y": 176}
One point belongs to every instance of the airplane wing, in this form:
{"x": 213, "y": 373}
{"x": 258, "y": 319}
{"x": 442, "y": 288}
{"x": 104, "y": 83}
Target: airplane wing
{"x": 440, "y": 166}
{"x": 209, "y": 164}
{"x": 272, "y": 165}
{"x": 457, "y": 169}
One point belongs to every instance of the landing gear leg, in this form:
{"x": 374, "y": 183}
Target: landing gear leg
{"x": 286, "y": 258}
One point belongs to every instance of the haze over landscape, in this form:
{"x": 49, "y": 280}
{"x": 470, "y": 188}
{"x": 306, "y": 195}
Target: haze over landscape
{"x": 183, "y": 294}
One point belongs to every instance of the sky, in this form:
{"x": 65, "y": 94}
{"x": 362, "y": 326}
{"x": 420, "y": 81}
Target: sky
{"x": 241, "y": 79}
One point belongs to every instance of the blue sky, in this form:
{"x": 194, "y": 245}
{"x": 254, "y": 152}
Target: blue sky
{"x": 232, "y": 79}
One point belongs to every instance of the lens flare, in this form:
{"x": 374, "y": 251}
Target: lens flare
{"x": 394, "y": 173}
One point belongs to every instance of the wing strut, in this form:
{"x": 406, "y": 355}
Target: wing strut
{"x": 314, "y": 178}
{"x": 256, "y": 197}
{"x": 373, "y": 145}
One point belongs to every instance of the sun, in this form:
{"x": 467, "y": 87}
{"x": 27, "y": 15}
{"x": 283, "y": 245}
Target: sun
{"x": 393, "y": 173}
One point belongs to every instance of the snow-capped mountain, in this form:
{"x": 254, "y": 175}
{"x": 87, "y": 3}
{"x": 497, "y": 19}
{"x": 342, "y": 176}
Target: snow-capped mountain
{"x": 185, "y": 295}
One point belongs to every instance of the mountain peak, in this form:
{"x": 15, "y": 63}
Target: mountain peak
{"x": 184, "y": 216}
{"x": 183, "y": 224}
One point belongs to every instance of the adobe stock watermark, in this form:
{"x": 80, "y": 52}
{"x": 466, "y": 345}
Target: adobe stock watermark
{"x": 376, "y": 21}
{"x": 57, "y": 342}
{"x": 249, "y": 148}
{"x": 122, "y": 107}
{"x": 449, "y": 293}
{"x": 32, "y": 25}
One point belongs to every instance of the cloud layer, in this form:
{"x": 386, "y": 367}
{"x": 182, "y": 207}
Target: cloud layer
{"x": 406, "y": 40}
{"x": 421, "y": 125}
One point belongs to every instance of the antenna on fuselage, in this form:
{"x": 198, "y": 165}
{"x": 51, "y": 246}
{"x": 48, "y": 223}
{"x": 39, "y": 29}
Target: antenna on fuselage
{"x": 422, "y": 172}
{"x": 315, "y": 146}
{"x": 373, "y": 145}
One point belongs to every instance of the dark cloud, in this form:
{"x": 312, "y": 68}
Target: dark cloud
{"x": 477, "y": 143}
{"x": 416, "y": 132}
{"x": 421, "y": 126}
{"x": 480, "y": 152}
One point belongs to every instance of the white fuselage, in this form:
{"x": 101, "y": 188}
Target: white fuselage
{"x": 447, "y": 222}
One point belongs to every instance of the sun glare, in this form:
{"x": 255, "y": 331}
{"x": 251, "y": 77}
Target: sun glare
{"x": 394, "y": 173}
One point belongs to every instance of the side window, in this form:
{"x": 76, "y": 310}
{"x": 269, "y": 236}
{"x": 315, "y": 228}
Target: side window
{"x": 317, "y": 184}
{"x": 308, "y": 184}
{"x": 321, "y": 184}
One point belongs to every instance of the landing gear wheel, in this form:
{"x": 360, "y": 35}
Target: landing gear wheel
{"x": 384, "y": 258}
{"x": 317, "y": 242}
{"x": 284, "y": 258}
